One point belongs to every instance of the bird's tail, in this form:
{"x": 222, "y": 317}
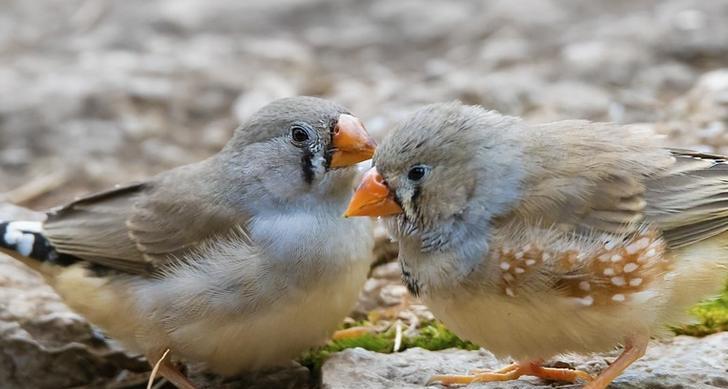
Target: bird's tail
{"x": 25, "y": 241}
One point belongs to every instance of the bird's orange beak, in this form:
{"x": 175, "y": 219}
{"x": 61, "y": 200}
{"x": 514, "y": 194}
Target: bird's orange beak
{"x": 372, "y": 197}
{"x": 351, "y": 142}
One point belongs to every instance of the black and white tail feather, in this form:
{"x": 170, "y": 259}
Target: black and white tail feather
{"x": 26, "y": 239}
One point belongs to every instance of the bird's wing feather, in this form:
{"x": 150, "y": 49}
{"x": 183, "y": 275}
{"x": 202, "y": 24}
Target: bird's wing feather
{"x": 138, "y": 227}
{"x": 614, "y": 180}
{"x": 94, "y": 228}
{"x": 689, "y": 201}
{"x": 590, "y": 176}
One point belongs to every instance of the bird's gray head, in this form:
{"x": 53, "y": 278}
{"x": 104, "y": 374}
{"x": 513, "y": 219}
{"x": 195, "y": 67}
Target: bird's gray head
{"x": 445, "y": 163}
{"x": 297, "y": 146}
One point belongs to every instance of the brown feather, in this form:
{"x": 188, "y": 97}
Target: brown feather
{"x": 568, "y": 185}
{"x": 632, "y": 182}
{"x": 689, "y": 202}
{"x": 139, "y": 227}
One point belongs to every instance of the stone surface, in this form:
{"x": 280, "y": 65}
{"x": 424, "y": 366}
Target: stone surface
{"x": 680, "y": 363}
{"x": 13, "y": 212}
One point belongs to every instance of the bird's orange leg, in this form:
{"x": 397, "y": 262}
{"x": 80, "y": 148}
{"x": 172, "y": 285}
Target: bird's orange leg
{"x": 504, "y": 370}
{"x": 513, "y": 372}
{"x": 634, "y": 348}
{"x": 166, "y": 369}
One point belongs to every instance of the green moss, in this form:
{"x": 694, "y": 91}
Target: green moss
{"x": 713, "y": 316}
{"x": 380, "y": 343}
{"x": 432, "y": 336}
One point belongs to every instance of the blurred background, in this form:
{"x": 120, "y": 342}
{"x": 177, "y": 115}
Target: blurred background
{"x": 99, "y": 92}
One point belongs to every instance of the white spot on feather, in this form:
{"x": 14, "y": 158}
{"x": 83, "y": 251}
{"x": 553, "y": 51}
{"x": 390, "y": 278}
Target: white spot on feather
{"x": 630, "y": 267}
{"x": 20, "y": 234}
{"x": 25, "y": 245}
{"x": 609, "y": 271}
{"x": 618, "y": 297}
{"x": 640, "y": 244}
{"x": 12, "y": 236}
{"x": 584, "y": 285}
{"x": 585, "y": 301}
{"x": 635, "y": 282}
{"x": 505, "y": 265}
{"x": 27, "y": 226}
{"x": 618, "y": 281}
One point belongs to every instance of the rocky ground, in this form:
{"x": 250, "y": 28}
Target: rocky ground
{"x": 100, "y": 92}
{"x": 681, "y": 363}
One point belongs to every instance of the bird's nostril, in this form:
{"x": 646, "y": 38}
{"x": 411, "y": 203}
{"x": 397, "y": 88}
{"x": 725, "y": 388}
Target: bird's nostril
{"x": 336, "y": 130}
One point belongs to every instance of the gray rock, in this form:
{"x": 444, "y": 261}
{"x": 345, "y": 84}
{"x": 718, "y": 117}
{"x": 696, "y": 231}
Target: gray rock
{"x": 700, "y": 116}
{"x": 682, "y": 362}
{"x": 605, "y": 62}
{"x": 291, "y": 376}
{"x": 43, "y": 343}
{"x": 692, "y": 30}
{"x": 13, "y": 212}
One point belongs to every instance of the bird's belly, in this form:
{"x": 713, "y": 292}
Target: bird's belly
{"x": 224, "y": 340}
{"x": 296, "y": 322}
{"x": 538, "y": 327}
{"x": 232, "y": 306}
{"x": 543, "y": 322}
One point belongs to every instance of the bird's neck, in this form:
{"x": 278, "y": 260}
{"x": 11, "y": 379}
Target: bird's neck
{"x": 444, "y": 254}
{"x": 331, "y": 192}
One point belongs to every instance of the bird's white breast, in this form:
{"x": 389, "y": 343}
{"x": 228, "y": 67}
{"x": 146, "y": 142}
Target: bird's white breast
{"x": 238, "y": 306}
{"x": 307, "y": 236}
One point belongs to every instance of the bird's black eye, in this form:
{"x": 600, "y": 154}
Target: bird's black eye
{"x": 416, "y": 173}
{"x": 299, "y": 135}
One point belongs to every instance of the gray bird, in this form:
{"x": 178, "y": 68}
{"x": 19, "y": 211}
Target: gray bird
{"x": 241, "y": 261}
{"x": 538, "y": 240}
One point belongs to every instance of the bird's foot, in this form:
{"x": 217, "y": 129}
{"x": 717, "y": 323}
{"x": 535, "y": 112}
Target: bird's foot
{"x": 513, "y": 372}
{"x": 634, "y": 348}
{"x": 507, "y": 369}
